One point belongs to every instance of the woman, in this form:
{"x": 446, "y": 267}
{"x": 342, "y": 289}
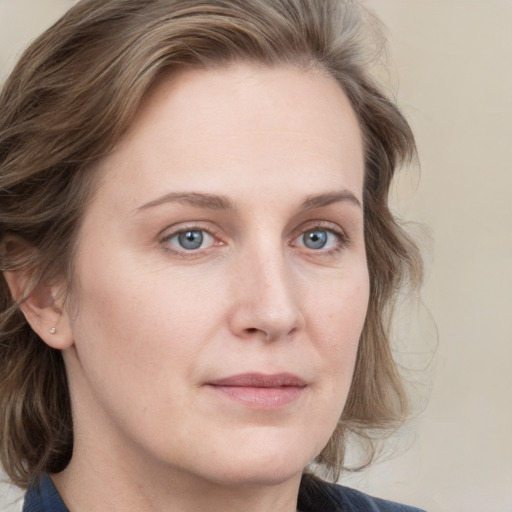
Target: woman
{"x": 198, "y": 255}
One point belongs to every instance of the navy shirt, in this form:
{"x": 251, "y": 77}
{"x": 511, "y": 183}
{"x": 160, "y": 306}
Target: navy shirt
{"x": 44, "y": 497}
{"x": 314, "y": 496}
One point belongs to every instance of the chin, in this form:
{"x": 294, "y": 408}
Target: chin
{"x": 268, "y": 476}
{"x": 264, "y": 466}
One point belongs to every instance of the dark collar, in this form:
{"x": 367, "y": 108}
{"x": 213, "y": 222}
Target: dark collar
{"x": 315, "y": 495}
{"x": 43, "y": 497}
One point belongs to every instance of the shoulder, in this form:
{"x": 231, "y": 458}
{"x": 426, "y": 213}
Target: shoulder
{"x": 319, "y": 496}
{"x": 351, "y": 499}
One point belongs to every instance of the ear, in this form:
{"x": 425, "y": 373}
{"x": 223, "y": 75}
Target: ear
{"x": 43, "y": 307}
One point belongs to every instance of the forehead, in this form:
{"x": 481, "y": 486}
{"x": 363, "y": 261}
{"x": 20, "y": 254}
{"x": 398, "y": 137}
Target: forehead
{"x": 203, "y": 128}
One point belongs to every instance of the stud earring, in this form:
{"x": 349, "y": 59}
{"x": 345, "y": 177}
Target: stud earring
{"x": 53, "y": 330}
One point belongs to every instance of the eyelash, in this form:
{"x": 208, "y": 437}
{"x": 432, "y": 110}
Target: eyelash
{"x": 184, "y": 253}
{"x": 342, "y": 239}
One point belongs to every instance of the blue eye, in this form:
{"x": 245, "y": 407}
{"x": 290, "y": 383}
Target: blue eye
{"x": 323, "y": 240}
{"x": 315, "y": 238}
{"x": 191, "y": 239}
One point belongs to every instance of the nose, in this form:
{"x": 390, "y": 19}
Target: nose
{"x": 266, "y": 303}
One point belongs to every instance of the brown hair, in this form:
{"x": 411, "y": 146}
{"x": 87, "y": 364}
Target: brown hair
{"x": 72, "y": 96}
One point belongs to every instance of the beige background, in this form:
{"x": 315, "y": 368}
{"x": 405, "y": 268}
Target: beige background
{"x": 451, "y": 66}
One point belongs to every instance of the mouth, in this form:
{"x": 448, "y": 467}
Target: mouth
{"x": 261, "y": 391}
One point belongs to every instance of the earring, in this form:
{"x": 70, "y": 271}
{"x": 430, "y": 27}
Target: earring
{"x": 53, "y": 330}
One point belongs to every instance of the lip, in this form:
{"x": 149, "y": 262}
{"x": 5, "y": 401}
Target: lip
{"x": 261, "y": 391}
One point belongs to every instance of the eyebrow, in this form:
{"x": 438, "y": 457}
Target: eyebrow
{"x": 216, "y": 202}
{"x": 320, "y": 200}
{"x": 208, "y": 201}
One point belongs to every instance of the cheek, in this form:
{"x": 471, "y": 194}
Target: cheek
{"x": 136, "y": 351}
{"x": 133, "y": 321}
{"x": 338, "y": 317}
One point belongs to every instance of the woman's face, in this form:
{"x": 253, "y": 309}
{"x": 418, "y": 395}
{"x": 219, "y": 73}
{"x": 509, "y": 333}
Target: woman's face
{"x": 221, "y": 280}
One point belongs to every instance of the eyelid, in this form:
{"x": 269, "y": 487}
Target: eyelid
{"x": 343, "y": 238}
{"x": 172, "y": 231}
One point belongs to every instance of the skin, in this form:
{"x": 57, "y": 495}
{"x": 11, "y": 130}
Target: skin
{"x": 152, "y": 325}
